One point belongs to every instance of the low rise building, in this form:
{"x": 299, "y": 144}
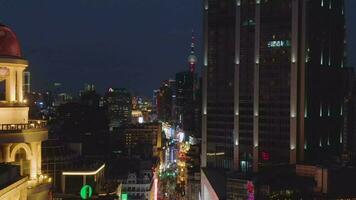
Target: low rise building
{"x": 84, "y": 173}
{"x": 137, "y": 186}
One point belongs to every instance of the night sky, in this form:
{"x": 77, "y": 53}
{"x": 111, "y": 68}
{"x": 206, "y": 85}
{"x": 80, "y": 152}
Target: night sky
{"x": 112, "y": 43}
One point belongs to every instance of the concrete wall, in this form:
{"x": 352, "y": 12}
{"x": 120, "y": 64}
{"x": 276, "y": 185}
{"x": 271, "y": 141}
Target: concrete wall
{"x": 15, "y": 191}
{"x": 14, "y": 115}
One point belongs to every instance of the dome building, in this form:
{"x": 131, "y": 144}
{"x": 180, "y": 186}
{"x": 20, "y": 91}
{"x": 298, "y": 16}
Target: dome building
{"x": 9, "y": 45}
{"x": 20, "y": 137}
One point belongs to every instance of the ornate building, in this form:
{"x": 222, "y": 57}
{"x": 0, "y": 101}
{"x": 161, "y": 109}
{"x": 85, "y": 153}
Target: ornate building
{"x": 20, "y": 138}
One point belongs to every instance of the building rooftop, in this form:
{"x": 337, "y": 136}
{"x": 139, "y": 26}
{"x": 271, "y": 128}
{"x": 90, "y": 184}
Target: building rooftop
{"x": 9, "y": 45}
{"x": 84, "y": 167}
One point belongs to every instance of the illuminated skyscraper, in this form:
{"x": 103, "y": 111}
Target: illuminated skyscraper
{"x": 119, "y": 107}
{"x": 274, "y": 82}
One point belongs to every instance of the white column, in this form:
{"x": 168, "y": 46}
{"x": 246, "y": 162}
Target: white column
{"x": 34, "y": 165}
{"x": 19, "y": 86}
{"x": 6, "y": 152}
{"x": 11, "y": 85}
{"x": 39, "y": 158}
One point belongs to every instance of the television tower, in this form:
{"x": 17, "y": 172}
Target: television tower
{"x": 192, "y": 59}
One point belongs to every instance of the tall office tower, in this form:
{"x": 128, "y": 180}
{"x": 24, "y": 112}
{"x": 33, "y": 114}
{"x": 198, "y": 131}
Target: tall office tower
{"x": 119, "y": 107}
{"x": 165, "y": 102}
{"x": 186, "y": 104}
{"x": 274, "y": 82}
{"x": 27, "y": 82}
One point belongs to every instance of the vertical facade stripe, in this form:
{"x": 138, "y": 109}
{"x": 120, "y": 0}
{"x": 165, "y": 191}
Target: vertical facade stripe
{"x": 302, "y": 94}
{"x": 256, "y": 88}
{"x": 237, "y": 84}
{"x": 294, "y": 83}
{"x": 204, "y": 90}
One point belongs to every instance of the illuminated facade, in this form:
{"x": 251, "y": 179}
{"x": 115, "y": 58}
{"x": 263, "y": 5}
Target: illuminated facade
{"x": 119, "y": 107}
{"x": 20, "y": 138}
{"x": 143, "y": 139}
{"x": 269, "y": 69}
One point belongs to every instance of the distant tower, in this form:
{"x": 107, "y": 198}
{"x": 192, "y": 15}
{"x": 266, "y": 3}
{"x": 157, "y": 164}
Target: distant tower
{"x": 192, "y": 59}
{"x": 27, "y": 82}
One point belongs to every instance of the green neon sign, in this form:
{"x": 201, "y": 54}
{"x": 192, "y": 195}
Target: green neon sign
{"x": 86, "y": 192}
{"x": 124, "y": 196}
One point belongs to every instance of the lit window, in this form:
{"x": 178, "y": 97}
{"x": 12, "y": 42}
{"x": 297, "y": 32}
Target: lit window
{"x": 322, "y": 58}
{"x": 322, "y": 3}
{"x": 321, "y": 110}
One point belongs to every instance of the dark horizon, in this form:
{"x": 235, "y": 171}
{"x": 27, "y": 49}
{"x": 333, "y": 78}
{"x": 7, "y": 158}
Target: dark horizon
{"x": 113, "y": 52}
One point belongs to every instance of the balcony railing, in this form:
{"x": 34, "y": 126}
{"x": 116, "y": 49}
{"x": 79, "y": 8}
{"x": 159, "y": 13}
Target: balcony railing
{"x": 12, "y": 104}
{"x": 15, "y": 128}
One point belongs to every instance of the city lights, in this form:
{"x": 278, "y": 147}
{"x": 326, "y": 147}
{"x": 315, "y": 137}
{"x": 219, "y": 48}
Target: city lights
{"x": 261, "y": 104}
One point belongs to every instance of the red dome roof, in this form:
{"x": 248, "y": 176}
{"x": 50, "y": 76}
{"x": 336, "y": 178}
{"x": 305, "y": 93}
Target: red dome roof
{"x": 9, "y": 45}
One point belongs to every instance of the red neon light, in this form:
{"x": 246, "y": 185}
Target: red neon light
{"x": 265, "y": 156}
{"x": 250, "y": 190}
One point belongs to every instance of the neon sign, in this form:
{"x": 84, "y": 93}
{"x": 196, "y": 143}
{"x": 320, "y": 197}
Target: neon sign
{"x": 278, "y": 43}
{"x": 250, "y": 190}
{"x": 265, "y": 156}
{"x": 124, "y": 196}
{"x": 86, "y": 192}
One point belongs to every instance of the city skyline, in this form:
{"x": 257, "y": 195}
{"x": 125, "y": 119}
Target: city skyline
{"x": 61, "y": 46}
{"x": 183, "y": 100}
{"x": 54, "y": 41}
